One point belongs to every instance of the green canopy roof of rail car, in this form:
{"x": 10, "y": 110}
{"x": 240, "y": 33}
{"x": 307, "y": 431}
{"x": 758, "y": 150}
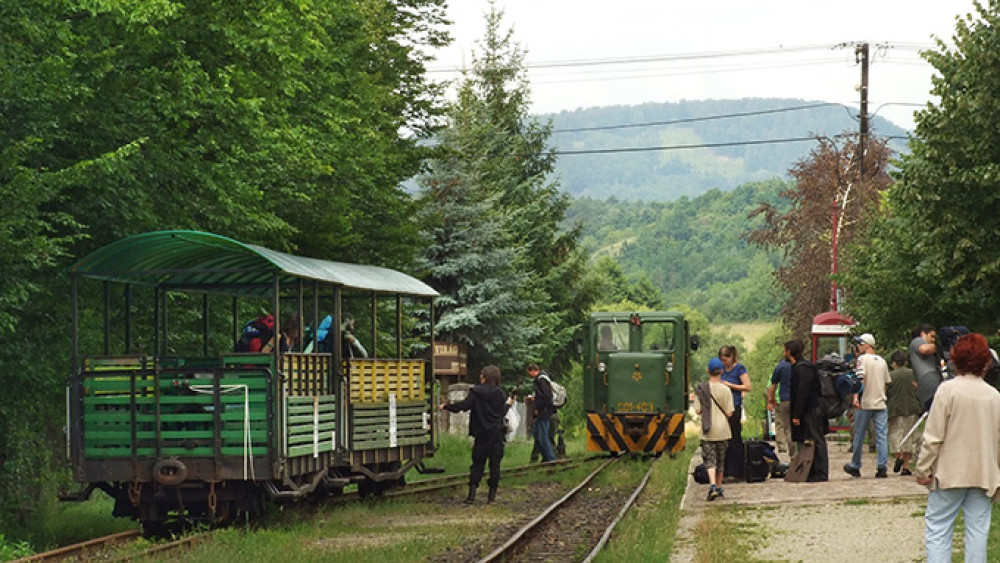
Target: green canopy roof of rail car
{"x": 199, "y": 261}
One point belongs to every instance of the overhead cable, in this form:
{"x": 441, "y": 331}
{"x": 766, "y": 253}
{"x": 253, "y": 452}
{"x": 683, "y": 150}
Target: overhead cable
{"x": 695, "y": 119}
{"x": 700, "y": 146}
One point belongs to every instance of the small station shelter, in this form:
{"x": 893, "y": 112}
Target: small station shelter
{"x": 831, "y": 332}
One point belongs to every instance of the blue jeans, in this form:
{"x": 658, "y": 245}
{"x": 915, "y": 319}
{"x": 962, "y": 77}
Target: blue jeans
{"x": 540, "y": 431}
{"x": 861, "y": 419}
{"x": 939, "y": 523}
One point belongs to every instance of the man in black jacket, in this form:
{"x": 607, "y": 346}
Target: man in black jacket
{"x": 807, "y": 423}
{"x": 488, "y": 406}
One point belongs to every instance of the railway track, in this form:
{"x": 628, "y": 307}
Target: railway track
{"x": 575, "y": 527}
{"x": 100, "y": 547}
{"x": 83, "y": 549}
{"x": 447, "y": 482}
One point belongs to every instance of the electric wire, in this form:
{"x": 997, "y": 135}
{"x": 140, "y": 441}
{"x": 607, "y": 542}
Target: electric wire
{"x": 694, "y": 119}
{"x": 680, "y": 57}
{"x": 701, "y": 146}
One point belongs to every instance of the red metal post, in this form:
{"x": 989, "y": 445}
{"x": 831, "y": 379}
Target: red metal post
{"x": 833, "y": 252}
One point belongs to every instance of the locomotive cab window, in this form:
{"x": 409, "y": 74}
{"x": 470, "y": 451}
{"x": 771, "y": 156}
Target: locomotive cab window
{"x": 612, "y": 337}
{"x": 657, "y": 336}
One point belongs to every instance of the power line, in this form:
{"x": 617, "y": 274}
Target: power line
{"x": 695, "y": 119}
{"x": 681, "y": 147}
{"x": 701, "y": 146}
{"x": 606, "y": 75}
{"x": 646, "y": 59}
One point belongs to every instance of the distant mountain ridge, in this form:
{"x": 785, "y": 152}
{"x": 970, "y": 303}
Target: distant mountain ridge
{"x": 737, "y": 133}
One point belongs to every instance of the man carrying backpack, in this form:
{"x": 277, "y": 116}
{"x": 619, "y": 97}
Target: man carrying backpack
{"x": 543, "y": 409}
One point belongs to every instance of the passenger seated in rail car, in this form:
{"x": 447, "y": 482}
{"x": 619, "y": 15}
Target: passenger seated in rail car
{"x": 607, "y": 343}
{"x": 288, "y": 336}
{"x": 352, "y": 347}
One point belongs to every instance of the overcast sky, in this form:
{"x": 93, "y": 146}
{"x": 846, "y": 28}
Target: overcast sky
{"x": 716, "y": 49}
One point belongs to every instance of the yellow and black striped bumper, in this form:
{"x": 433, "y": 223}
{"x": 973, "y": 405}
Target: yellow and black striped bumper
{"x": 647, "y": 433}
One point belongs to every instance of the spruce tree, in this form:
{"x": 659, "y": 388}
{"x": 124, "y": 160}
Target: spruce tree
{"x": 495, "y": 175}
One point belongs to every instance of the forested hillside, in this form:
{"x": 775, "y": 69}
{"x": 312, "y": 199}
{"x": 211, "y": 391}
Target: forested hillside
{"x": 693, "y": 249}
{"x": 665, "y": 173}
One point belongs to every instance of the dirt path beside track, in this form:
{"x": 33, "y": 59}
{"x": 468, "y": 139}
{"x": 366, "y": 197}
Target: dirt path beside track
{"x": 845, "y": 518}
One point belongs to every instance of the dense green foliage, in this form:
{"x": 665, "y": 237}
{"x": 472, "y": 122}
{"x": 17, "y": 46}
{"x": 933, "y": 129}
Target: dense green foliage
{"x": 272, "y": 122}
{"x": 693, "y": 251}
{"x": 664, "y": 175}
{"x": 933, "y": 256}
{"x": 511, "y": 280}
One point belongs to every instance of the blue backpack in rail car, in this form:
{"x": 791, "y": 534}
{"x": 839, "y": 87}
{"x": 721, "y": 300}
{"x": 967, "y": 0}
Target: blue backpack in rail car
{"x": 324, "y": 335}
{"x": 256, "y": 334}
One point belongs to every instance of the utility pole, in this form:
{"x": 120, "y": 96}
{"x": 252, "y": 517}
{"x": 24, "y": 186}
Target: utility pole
{"x": 861, "y": 56}
{"x": 840, "y": 199}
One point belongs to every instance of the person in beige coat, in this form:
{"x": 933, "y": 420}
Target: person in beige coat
{"x": 960, "y": 458}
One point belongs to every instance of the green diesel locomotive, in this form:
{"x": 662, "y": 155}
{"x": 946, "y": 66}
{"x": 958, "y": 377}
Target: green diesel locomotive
{"x": 635, "y": 382}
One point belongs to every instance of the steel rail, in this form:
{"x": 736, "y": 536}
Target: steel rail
{"x": 628, "y": 505}
{"x": 81, "y": 547}
{"x": 515, "y": 539}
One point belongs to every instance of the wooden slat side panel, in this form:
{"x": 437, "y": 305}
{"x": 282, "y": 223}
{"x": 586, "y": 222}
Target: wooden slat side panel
{"x": 372, "y": 380}
{"x": 307, "y": 375}
{"x": 370, "y": 425}
{"x": 310, "y": 424}
{"x": 179, "y": 406}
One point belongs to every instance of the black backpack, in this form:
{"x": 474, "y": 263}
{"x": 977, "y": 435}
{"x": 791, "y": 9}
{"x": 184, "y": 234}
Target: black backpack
{"x": 833, "y": 402}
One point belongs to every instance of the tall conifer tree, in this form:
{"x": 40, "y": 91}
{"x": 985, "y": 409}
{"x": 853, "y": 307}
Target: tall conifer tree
{"x": 497, "y": 164}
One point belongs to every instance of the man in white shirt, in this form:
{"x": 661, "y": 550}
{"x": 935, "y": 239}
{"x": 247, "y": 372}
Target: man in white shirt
{"x": 871, "y": 406}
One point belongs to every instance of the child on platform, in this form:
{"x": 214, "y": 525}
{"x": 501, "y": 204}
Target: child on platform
{"x": 714, "y": 402}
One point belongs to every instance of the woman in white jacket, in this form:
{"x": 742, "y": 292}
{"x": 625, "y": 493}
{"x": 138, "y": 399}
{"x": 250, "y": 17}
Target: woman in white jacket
{"x": 960, "y": 458}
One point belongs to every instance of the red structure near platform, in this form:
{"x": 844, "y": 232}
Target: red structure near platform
{"x": 828, "y": 326}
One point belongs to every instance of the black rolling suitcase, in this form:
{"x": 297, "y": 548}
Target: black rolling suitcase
{"x": 757, "y": 468}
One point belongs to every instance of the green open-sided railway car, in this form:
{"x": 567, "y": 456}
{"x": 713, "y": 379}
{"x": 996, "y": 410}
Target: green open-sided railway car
{"x": 635, "y": 381}
{"x": 165, "y": 418}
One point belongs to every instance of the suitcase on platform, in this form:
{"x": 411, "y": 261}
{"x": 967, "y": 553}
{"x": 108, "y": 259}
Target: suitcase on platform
{"x": 757, "y": 468}
{"x": 736, "y": 460}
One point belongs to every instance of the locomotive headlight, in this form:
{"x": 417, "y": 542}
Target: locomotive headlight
{"x": 601, "y": 368}
{"x": 670, "y": 366}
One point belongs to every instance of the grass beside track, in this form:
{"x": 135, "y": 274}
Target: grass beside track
{"x": 405, "y": 529}
{"x": 647, "y": 531}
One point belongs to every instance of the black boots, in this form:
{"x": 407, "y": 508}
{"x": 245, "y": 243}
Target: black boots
{"x": 472, "y": 495}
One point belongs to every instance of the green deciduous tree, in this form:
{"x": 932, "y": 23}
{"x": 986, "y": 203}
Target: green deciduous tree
{"x": 933, "y": 254}
{"x": 289, "y": 124}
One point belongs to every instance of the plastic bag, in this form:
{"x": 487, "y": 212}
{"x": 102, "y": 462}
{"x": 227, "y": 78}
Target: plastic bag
{"x": 511, "y": 421}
